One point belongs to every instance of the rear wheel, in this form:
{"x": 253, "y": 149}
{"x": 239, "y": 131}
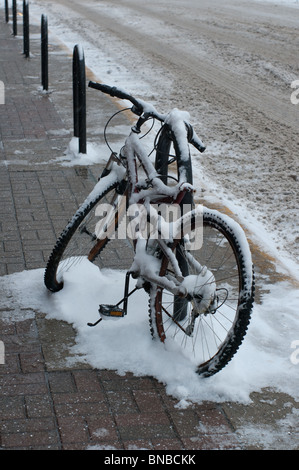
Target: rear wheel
{"x": 209, "y": 325}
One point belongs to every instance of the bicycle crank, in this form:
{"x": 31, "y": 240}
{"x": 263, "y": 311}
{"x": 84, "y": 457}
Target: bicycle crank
{"x": 107, "y": 311}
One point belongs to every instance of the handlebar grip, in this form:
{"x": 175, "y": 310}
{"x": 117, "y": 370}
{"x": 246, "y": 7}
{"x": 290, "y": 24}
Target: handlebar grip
{"x": 109, "y": 90}
{"x": 194, "y": 139}
{"x": 114, "y": 91}
{"x": 198, "y": 145}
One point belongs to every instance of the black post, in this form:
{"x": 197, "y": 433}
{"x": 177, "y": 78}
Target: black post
{"x": 6, "y": 11}
{"x": 14, "y": 17}
{"x": 79, "y": 97}
{"x": 44, "y": 52}
{"x": 26, "y": 27}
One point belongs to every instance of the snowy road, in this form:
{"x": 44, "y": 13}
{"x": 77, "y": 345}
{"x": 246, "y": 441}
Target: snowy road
{"x": 231, "y": 65}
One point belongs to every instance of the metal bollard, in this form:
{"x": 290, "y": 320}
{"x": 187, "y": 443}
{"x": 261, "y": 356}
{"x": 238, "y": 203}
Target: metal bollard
{"x": 6, "y": 11}
{"x": 14, "y": 18}
{"x": 44, "y": 52}
{"x": 79, "y": 97}
{"x": 26, "y": 27}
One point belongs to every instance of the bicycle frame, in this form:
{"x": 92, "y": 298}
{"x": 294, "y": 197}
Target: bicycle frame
{"x": 144, "y": 193}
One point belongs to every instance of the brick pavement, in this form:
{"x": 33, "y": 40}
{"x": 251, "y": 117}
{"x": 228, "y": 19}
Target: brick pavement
{"x": 45, "y": 405}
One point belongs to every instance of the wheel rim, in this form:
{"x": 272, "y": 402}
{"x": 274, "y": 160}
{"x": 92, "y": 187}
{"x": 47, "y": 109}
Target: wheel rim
{"x": 90, "y": 236}
{"x": 211, "y": 332}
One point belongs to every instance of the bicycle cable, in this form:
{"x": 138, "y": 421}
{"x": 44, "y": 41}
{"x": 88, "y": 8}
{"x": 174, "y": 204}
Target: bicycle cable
{"x": 112, "y": 117}
{"x": 144, "y": 135}
{"x": 107, "y": 124}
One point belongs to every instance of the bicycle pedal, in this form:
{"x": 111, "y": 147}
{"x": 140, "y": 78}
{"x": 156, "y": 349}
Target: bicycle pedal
{"x": 111, "y": 311}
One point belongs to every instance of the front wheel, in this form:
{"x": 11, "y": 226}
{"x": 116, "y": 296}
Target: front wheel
{"x": 87, "y": 234}
{"x": 209, "y": 325}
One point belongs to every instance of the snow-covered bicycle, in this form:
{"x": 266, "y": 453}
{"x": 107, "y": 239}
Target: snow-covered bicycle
{"x": 194, "y": 265}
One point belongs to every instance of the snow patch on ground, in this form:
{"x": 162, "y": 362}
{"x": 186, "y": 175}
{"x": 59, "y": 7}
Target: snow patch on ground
{"x": 267, "y": 357}
{"x": 95, "y": 153}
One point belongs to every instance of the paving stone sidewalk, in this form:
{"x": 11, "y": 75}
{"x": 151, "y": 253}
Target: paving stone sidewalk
{"x": 46, "y": 405}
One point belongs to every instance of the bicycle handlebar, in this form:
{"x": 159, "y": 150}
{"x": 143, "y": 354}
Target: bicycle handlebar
{"x": 140, "y": 107}
{"x": 114, "y": 91}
